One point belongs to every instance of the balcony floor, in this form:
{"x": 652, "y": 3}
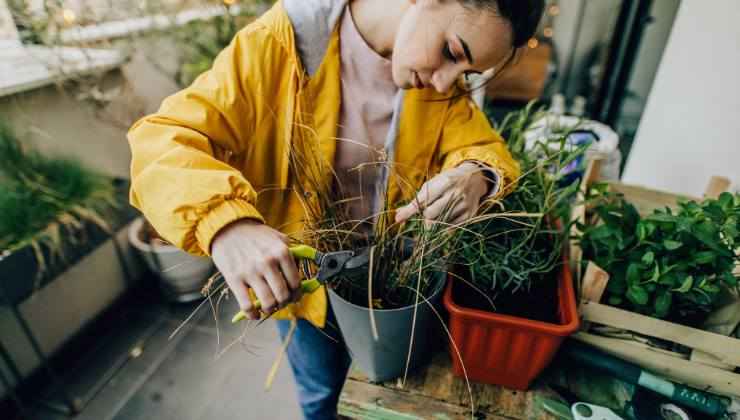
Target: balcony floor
{"x": 142, "y": 374}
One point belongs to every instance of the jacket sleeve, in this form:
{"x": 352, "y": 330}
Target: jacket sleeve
{"x": 467, "y": 136}
{"x": 180, "y": 180}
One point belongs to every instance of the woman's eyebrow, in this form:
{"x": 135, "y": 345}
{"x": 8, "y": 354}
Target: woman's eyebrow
{"x": 466, "y": 49}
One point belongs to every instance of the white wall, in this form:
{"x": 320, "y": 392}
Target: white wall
{"x": 691, "y": 126}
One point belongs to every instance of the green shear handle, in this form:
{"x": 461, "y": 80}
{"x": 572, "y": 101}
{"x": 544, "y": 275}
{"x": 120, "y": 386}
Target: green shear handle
{"x": 301, "y": 252}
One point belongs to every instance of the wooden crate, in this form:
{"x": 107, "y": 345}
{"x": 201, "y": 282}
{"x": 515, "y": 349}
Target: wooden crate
{"x": 713, "y": 358}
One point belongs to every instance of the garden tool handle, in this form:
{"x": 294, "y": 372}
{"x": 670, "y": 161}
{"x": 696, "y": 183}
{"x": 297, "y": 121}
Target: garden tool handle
{"x": 303, "y": 252}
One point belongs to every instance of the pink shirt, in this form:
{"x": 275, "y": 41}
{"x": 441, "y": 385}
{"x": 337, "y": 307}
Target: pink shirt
{"x": 367, "y": 107}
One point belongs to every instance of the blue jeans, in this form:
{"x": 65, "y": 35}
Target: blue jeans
{"x": 319, "y": 365}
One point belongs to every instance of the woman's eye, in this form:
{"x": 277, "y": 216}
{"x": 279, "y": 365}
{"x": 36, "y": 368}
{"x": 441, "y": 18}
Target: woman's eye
{"x": 447, "y": 53}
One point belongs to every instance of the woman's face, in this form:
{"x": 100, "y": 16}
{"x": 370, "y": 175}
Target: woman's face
{"x": 440, "y": 40}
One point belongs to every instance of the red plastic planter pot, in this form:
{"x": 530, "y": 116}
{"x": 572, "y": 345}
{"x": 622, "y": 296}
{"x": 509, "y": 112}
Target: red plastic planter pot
{"x": 506, "y": 350}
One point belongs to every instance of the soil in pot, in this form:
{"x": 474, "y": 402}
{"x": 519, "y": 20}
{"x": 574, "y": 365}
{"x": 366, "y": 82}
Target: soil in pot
{"x": 539, "y": 303}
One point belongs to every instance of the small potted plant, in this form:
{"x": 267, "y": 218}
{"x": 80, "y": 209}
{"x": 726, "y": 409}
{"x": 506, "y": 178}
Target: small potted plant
{"x": 388, "y": 316}
{"x": 512, "y": 302}
{"x": 181, "y": 275}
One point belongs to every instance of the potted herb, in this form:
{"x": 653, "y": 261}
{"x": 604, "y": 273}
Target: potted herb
{"x": 53, "y": 211}
{"x": 672, "y": 263}
{"x": 389, "y": 316}
{"x": 513, "y": 302}
{"x": 668, "y": 266}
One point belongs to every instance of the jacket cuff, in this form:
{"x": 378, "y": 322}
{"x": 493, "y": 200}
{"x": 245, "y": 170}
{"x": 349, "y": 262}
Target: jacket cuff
{"x": 488, "y": 163}
{"x": 494, "y": 176}
{"x": 226, "y": 213}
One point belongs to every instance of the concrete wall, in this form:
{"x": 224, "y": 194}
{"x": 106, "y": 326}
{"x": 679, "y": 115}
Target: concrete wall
{"x": 64, "y": 306}
{"x": 691, "y": 126}
{"x": 58, "y": 122}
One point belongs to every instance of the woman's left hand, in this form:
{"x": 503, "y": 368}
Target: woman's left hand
{"x": 453, "y": 196}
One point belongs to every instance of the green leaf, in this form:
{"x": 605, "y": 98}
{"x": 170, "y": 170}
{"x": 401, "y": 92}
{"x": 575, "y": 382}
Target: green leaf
{"x": 729, "y": 279}
{"x": 662, "y": 218}
{"x": 708, "y": 234}
{"x": 633, "y": 274}
{"x": 615, "y": 300}
{"x": 648, "y": 258}
{"x": 656, "y": 275}
{"x": 704, "y": 257}
{"x": 663, "y": 304}
{"x": 641, "y": 231}
{"x": 725, "y": 200}
{"x": 710, "y": 288}
{"x": 650, "y": 228}
{"x": 600, "y": 233}
{"x": 672, "y": 245}
{"x": 686, "y": 286}
{"x": 638, "y": 295}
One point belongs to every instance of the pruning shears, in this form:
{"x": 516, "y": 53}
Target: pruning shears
{"x": 330, "y": 265}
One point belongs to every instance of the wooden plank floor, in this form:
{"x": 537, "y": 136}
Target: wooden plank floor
{"x": 434, "y": 393}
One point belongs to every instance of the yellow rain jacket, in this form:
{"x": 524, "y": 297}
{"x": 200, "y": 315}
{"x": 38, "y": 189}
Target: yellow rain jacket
{"x": 218, "y": 151}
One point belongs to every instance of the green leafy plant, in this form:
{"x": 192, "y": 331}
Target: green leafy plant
{"x": 518, "y": 242}
{"x": 670, "y": 264}
{"x": 43, "y": 199}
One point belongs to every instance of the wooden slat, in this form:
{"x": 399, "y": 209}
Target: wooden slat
{"x": 361, "y": 400}
{"x": 726, "y": 349}
{"x": 578, "y": 214}
{"x": 594, "y": 283}
{"x": 673, "y": 368}
{"x": 717, "y": 185}
{"x": 699, "y": 356}
{"x": 436, "y": 381}
{"x": 646, "y": 200}
{"x": 593, "y": 287}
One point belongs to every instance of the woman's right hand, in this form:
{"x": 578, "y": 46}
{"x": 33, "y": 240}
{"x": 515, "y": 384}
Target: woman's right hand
{"x": 250, "y": 254}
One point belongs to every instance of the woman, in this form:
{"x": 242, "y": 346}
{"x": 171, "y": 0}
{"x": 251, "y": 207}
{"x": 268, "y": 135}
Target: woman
{"x": 211, "y": 169}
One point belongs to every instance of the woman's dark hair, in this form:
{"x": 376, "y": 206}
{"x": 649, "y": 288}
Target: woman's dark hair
{"x": 524, "y": 16}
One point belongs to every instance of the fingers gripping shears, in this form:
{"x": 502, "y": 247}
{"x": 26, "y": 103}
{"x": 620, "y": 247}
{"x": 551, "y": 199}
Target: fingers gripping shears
{"x": 330, "y": 265}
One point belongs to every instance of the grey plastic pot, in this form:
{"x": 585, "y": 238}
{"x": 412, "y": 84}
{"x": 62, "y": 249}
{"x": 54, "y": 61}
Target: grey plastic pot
{"x": 386, "y": 358}
{"x": 181, "y": 275}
